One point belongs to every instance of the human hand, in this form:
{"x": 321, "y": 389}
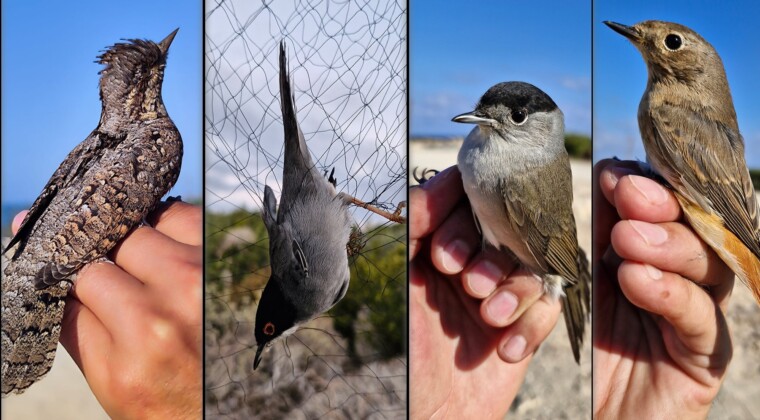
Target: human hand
{"x": 661, "y": 343}
{"x": 476, "y": 318}
{"x": 134, "y": 328}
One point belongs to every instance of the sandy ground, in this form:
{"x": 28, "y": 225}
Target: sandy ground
{"x": 62, "y": 394}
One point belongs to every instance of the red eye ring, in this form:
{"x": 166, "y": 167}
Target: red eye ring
{"x": 269, "y": 328}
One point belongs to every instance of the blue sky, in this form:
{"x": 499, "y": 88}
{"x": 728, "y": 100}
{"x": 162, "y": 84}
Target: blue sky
{"x": 50, "y": 82}
{"x": 620, "y": 73}
{"x": 460, "y": 49}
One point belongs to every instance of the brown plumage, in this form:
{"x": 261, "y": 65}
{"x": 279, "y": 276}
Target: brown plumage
{"x": 691, "y": 137}
{"x": 105, "y": 187}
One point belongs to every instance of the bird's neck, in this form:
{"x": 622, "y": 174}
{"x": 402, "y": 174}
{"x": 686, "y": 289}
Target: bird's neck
{"x": 137, "y": 103}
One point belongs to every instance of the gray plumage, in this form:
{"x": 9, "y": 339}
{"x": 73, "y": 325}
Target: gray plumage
{"x": 516, "y": 174}
{"x": 308, "y": 234}
{"x": 106, "y": 186}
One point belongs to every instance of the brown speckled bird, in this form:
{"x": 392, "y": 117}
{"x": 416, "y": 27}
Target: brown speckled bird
{"x": 105, "y": 187}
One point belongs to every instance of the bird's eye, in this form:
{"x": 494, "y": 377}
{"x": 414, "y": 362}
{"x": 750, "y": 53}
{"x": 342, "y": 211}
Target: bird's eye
{"x": 673, "y": 42}
{"x": 518, "y": 116}
{"x": 269, "y": 328}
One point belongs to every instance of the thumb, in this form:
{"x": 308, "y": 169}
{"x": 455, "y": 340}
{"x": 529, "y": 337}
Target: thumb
{"x": 17, "y": 221}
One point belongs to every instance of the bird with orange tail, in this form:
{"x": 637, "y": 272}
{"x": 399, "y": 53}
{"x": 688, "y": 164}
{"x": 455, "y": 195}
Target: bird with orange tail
{"x": 691, "y": 137}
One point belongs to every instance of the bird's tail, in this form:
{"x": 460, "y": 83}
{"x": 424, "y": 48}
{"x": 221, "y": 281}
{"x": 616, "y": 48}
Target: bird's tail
{"x": 751, "y": 277}
{"x": 297, "y": 157}
{"x": 576, "y": 304}
{"x": 742, "y": 261}
{"x": 31, "y": 326}
{"x": 735, "y": 253}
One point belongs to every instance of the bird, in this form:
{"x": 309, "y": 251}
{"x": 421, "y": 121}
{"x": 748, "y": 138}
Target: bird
{"x": 516, "y": 175}
{"x": 105, "y": 187}
{"x": 691, "y": 137}
{"x": 308, "y": 235}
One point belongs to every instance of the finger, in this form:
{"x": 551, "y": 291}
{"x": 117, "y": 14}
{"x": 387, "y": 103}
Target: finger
{"x": 670, "y": 247}
{"x": 180, "y": 221}
{"x": 455, "y": 241}
{"x": 149, "y": 255}
{"x": 86, "y": 339}
{"x": 431, "y": 203}
{"x": 606, "y": 176}
{"x": 16, "y": 223}
{"x": 684, "y": 305}
{"x": 103, "y": 287}
{"x": 486, "y": 271}
{"x": 524, "y": 336}
{"x": 640, "y": 198}
{"x": 510, "y": 300}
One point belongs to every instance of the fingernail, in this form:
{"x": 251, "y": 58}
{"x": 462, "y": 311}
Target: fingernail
{"x": 484, "y": 277}
{"x": 614, "y": 173}
{"x": 653, "y": 272}
{"x": 651, "y": 234}
{"x": 652, "y": 191}
{"x": 515, "y": 347}
{"x": 502, "y": 306}
{"x": 455, "y": 255}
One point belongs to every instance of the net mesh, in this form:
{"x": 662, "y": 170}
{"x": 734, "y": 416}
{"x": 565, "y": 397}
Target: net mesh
{"x": 347, "y": 61}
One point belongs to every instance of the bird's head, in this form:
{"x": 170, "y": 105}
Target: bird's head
{"x": 519, "y": 113}
{"x": 275, "y": 318}
{"x": 130, "y": 83}
{"x": 673, "y": 52}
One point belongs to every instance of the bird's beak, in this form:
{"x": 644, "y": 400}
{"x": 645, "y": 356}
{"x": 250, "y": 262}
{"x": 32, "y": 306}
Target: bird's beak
{"x": 164, "y": 45}
{"x": 472, "y": 118}
{"x": 627, "y": 31}
{"x": 257, "y": 359}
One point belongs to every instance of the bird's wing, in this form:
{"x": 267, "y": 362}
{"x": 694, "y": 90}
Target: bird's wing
{"x": 547, "y": 229}
{"x": 110, "y": 199}
{"x": 707, "y": 167}
{"x": 269, "y": 210}
{"x": 76, "y": 163}
{"x": 549, "y": 232}
{"x": 301, "y": 265}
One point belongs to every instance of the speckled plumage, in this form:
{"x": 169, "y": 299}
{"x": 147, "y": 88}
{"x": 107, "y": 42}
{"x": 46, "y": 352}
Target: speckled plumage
{"x": 106, "y": 186}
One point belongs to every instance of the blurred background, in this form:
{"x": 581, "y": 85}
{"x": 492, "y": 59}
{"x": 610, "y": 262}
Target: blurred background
{"x": 620, "y": 78}
{"x": 50, "y": 104}
{"x": 457, "y": 52}
{"x": 348, "y": 67}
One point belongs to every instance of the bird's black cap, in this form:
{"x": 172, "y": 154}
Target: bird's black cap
{"x": 518, "y": 95}
{"x": 275, "y": 315}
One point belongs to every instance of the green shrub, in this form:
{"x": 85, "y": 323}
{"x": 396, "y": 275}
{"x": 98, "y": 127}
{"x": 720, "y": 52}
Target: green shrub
{"x": 755, "y": 175}
{"x": 578, "y": 146}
